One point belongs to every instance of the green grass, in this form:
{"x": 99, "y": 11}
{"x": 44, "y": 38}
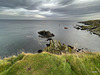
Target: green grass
{"x": 8, "y": 62}
{"x": 51, "y": 64}
{"x": 90, "y": 22}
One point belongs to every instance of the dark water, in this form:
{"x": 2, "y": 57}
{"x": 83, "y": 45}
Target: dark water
{"x": 17, "y": 36}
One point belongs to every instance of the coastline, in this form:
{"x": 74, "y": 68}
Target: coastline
{"x": 55, "y": 59}
{"x": 92, "y": 25}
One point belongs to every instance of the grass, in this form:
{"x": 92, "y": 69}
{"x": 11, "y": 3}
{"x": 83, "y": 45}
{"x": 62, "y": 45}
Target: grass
{"x": 90, "y": 22}
{"x": 8, "y": 62}
{"x": 51, "y": 64}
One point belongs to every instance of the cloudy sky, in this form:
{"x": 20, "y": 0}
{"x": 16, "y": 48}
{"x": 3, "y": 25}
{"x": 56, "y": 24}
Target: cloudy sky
{"x": 50, "y": 9}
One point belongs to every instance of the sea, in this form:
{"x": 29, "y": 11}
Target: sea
{"x": 18, "y": 36}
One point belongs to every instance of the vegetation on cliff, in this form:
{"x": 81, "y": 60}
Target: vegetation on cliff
{"x": 50, "y": 64}
{"x": 55, "y": 47}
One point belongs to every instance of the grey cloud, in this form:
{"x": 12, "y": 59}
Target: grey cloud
{"x": 59, "y": 4}
{"x": 62, "y": 8}
{"x": 77, "y": 10}
{"x": 28, "y": 4}
{"x": 65, "y": 2}
{"x": 45, "y": 9}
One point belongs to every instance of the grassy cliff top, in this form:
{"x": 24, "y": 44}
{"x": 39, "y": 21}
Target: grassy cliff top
{"x": 51, "y": 64}
{"x": 90, "y": 22}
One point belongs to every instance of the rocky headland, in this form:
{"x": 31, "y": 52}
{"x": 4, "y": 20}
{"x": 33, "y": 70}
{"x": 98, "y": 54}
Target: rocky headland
{"x": 92, "y": 25}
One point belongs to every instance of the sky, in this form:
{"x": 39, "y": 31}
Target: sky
{"x": 50, "y": 9}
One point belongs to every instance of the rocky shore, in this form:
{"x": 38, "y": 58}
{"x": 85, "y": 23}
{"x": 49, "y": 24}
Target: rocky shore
{"x": 55, "y": 47}
{"x": 92, "y": 25}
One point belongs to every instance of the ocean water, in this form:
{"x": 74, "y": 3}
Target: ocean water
{"x": 22, "y": 35}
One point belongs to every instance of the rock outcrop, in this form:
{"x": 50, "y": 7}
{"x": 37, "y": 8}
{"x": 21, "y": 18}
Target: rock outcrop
{"x": 45, "y": 34}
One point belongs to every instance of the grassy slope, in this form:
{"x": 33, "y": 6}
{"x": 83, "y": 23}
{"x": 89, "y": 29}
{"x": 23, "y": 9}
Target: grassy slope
{"x": 49, "y": 64}
{"x": 90, "y": 22}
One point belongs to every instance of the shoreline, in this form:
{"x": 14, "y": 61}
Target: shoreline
{"x": 92, "y": 25}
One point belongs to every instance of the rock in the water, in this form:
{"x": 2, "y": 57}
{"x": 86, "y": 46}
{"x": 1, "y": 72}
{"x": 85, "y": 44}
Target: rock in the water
{"x": 77, "y": 27}
{"x": 46, "y": 34}
{"x": 71, "y": 47}
{"x": 47, "y": 45}
{"x": 65, "y": 27}
{"x": 40, "y": 51}
{"x": 49, "y": 39}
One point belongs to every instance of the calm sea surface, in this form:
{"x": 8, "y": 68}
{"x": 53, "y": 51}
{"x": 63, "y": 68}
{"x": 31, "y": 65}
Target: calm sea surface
{"x": 22, "y": 35}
